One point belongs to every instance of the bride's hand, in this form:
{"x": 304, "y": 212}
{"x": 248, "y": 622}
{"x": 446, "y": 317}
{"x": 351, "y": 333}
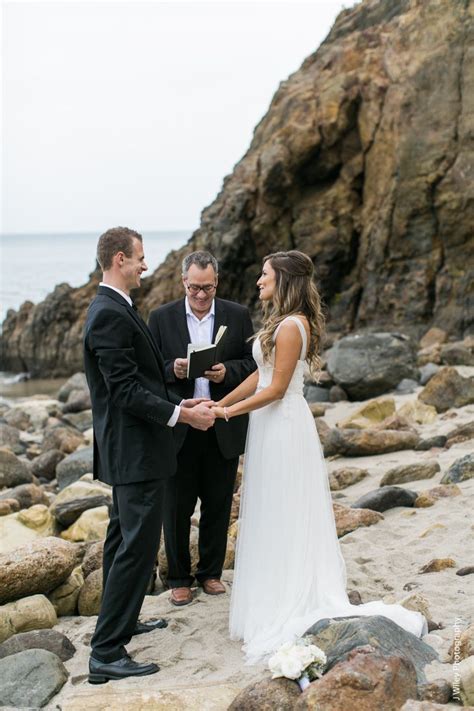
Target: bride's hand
{"x": 219, "y": 412}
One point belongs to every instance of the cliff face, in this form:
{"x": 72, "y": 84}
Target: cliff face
{"x": 365, "y": 160}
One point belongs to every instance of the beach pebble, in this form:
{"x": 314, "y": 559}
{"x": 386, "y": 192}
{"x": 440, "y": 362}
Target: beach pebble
{"x": 410, "y": 472}
{"x": 45, "y": 465}
{"x": 448, "y": 389}
{"x": 387, "y": 497}
{"x": 427, "y": 371}
{"x": 434, "y": 336}
{"x": 27, "y": 495}
{"x": 430, "y": 496}
{"x": 74, "y": 467}
{"x": 346, "y": 476}
{"x": 461, "y": 470}
{"x": 406, "y": 386}
{"x": 416, "y": 412}
{"x": 425, "y": 444}
{"x": 78, "y": 401}
{"x": 66, "y": 439}
{"x": 467, "y": 570}
{"x": 348, "y": 519}
{"x": 78, "y": 381}
{"x": 437, "y": 564}
{"x": 13, "y": 471}
{"x": 267, "y": 695}
{"x": 82, "y": 421}
{"x": 371, "y": 413}
{"x": 457, "y": 353}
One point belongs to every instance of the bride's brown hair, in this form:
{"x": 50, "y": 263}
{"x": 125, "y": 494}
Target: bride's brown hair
{"x": 295, "y": 293}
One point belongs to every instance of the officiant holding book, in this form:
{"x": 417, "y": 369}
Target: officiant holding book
{"x": 207, "y": 461}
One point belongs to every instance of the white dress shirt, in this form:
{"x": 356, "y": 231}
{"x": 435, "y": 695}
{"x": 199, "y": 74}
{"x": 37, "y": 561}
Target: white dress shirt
{"x": 200, "y": 332}
{"x": 174, "y": 417}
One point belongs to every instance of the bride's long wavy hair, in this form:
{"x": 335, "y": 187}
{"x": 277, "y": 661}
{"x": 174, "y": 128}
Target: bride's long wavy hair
{"x": 295, "y": 293}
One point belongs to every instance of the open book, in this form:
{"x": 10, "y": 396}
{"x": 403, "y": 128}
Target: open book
{"x": 202, "y": 358}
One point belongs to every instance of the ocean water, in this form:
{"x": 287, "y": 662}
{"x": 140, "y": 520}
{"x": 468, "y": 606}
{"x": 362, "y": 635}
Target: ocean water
{"x": 32, "y": 264}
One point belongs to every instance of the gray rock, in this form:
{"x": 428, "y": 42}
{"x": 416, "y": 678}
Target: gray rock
{"x": 457, "y": 353}
{"x": 361, "y": 443}
{"x": 66, "y": 512}
{"x": 31, "y": 678}
{"x": 337, "y": 394}
{"x": 45, "y": 465}
{"x": 425, "y": 444}
{"x": 410, "y": 472}
{"x": 17, "y": 418}
{"x": 448, "y": 389}
{"x": 407, "y": 385}
{"x": 338, "y": 636}
{"x": 461, "y": 470}
{"x": 77, "y": 381}
{"x": 13, "y": 471}
{"x": 9, "y": 437}
{"x": 387, "y": 497}
{"x": 74, "y": 466}
{"x": 427, "y": 371}
{"x": 80, "y": 420}
{"x": 27, "y": 495}
{"x": 51, "y": 640}
{"x": 93, "y": 559}
{"x": 314, "y": 393}
{"x": 77, "y": 401}
{"x": 368, "y": 365}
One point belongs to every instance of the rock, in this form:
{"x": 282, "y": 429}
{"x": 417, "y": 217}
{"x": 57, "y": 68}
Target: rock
{"x": 13, "y": 471}
{"x": 462, "y": 645}
{"x": 457, "y": 354}
{"x": 371, "y": 364}
{"x": 361, "y": 443}
{"x": 27, "y": 495}
{"x": 467, "y": 570}
{"x": 387, "y": 497}
{"x": 337, "y": 394}
{"x": 366, "y": 681}
{"x": 51, "y": 559}
{"x": 354, "y": 597}
{"x": 430, "y": 354}
{"x": 66, "y": 439}
{"x": 430, "y": 496}
{"x": 10, "y": 438}
{"x": 64, "y": 598}
{"x": 51, "y": 640}
{"x": 42, "y": 675}
{"x": 462, "y": 433}
{"x": 39, "y": 519}
{"x": 425, "y": 444}
{"x": 427, "y": 371}
{"x": 67, "y": 512}
{"x": 8, "y": 506}
{"x": 82, "y": 421}
{"x": 339, "y": 636}
{"x": 369, "y": 414}
{"x": 313, "y": 393}
{"x": 412, "y": 705}
{"x": 417, "y": 602}
{"x": 448, "y": 389}
{"x": 461, "y": 470}
{"x": 90, "y": 526}
{"x": 78, "y": 381}
{"x": 434, "y": 336}
{"x": 318, "y": 409}
{"x": 30, "y": 613}
{"x": 437, "y": 691}
{"x": 90, "y": 595}
{"x": 437, "y": 564}
{"x": 78, "y": 401}
{"x": 93, "y": 559}
{"x": 417, "y": 413}
{"x": 346, "y": 476}
{"x": 432, "y": 529}
{"x": 410, "y": 472}
{"x": 267, "y": 695}
{"x": 465, "y": 668}
{"x": 406, "y": 386}
{"x": 348, "y": 520}
{"x": 74, "y": 467}
{"x": 45, "y": 465}
{"x": 85, "y": 486}
{"x": 18, "y": 419}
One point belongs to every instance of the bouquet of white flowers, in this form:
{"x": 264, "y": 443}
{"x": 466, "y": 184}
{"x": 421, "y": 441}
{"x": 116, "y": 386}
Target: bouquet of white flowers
{"x": 299, "y": 660}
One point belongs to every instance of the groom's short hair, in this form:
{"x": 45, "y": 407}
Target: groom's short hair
{"x": 117, "y": 239}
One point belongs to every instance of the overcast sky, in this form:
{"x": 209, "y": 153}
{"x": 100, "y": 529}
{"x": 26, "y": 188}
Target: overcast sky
{"x": 133, "y": 112}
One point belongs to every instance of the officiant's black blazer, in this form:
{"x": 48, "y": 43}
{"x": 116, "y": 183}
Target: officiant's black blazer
{"x": 169, "y": 327}
{"x": 130, "y": 402}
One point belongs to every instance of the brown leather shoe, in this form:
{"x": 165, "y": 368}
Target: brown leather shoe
{"x": 181, "y": 596}
{"x": 213, "y": 586}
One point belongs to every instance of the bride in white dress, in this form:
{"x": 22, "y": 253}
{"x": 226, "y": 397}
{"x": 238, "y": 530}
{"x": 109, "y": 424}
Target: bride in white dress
{"x": 289, "y": 571}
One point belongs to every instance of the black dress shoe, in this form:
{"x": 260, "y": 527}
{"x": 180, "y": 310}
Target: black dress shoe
{"x": 101, "y": 673}
{"x": 144, "y": 627}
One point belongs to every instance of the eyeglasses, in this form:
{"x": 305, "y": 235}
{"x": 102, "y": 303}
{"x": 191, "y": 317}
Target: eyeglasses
{"x": 196, "y": 288}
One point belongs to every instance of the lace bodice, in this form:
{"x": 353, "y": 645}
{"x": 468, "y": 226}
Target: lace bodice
{"x": 265, "y": 369}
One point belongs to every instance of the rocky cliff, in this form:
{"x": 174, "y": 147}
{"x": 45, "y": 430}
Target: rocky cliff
{"x": 365, "y": 160}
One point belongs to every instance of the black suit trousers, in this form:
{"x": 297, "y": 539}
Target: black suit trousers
{"x": 130, "y": 550}
{"x": 205, "y": 474}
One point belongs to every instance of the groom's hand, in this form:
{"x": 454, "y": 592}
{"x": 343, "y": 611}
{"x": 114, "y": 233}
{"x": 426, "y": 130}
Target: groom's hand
{"x": 200, "y": 416}
{"x": 192, "y": 402}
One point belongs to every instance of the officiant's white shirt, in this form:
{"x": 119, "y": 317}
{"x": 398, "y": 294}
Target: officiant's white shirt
{"x": 200, "y": 332}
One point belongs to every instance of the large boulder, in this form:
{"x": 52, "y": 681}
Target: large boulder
{"x": 448, "y": 389}
{"x": 361, "y": 443}
{"x": 51, "y": 559}
{"x": 267, "y": 695}
{"x": 42, "y": 675}
{"x": 90, "y": 526}
{"x": 13, "y": 471}
{"x": 369, "y": 414}
{"x": 74, "y": 467}
{"x": 51, "y": 640}
{"x": 67, "y": 512}
{"x": 34, "y": 612}
{"x": 369, "y": 365}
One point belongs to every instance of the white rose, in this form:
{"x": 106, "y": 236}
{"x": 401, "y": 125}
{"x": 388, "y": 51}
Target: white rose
{"x": 291, "y": 668}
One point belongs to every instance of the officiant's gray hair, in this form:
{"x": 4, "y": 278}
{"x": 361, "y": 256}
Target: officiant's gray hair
{"x": 200, "y": 259}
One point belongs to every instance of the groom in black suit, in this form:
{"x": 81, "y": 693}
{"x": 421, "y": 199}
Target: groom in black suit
{"x": 207, "y": 461}
{"x": 134, "y": 415}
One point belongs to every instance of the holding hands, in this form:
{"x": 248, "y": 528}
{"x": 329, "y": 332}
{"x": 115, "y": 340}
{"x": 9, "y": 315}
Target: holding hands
{"x": 197, "y": 412}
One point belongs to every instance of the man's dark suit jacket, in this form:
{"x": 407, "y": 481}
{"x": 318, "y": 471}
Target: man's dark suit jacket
{"x": 169, "y": 327}
{"x": 130, "y": 402}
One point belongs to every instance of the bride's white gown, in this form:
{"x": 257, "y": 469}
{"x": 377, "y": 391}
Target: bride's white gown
{"x": 289, "y": 569}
